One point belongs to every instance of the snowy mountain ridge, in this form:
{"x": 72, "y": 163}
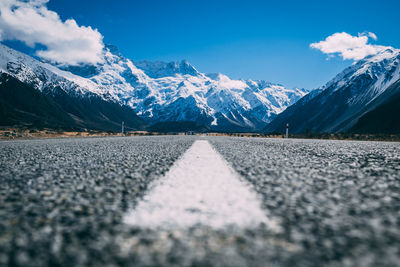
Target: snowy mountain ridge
{"x": 176, "y": 91}
{"x": 38, "y": 95}
{"x": 42, "y": 75}
{"x": 160, "y": 69}
{"x": 338, "y": 106}
{"x": 381, "y": 68}
{"x": 159, "y": 91}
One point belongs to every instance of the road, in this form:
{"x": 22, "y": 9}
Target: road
{"x": 199, "y": 201}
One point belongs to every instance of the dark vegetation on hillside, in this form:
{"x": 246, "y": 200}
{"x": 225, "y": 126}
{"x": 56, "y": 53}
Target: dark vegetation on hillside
{"x": 21, "y": 105}
{"x": 385, "y": 119}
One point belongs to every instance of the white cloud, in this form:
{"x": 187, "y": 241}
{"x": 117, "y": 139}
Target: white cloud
{"x": 348, "y": 46}
{"x": 66, "y": 42}
{"x": 372, "y": 35}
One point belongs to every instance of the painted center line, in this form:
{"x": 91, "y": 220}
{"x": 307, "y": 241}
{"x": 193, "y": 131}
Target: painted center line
{"x": 200, "y": 188}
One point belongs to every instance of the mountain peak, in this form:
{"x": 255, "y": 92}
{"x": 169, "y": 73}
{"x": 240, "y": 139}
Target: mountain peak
{"x": 171, "y": 91}
{"x": 160, "y": 69}
{"x": 113, "y": 49}
{"x": 385, "y": 53}
{"x": 337, "y": 106}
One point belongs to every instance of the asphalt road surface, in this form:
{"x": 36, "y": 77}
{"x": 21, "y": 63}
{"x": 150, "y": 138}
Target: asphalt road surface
{"x": 199, "y": 201}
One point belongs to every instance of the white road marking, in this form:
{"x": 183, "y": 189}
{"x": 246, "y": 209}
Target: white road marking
{"x": 200, "y": 188}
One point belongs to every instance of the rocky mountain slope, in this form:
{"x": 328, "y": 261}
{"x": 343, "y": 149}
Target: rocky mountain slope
{"x": 339, "y": 105}
{"x": 161, "y": 94}
{"x": 35, "y": 94}
{"x": 385, "y": 117}
{"x": 177, "y": 92}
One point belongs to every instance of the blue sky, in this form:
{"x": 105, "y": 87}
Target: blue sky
{"x": 244, "y": 39}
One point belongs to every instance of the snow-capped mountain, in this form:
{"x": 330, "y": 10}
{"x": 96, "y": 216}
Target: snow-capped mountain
{"x": 37, "y": 94}
{"x": 160, "y": 69}
{"x": 101, "y": 96}
{"x": 176, "y": 91}
{"x": 42, "y": 75}
{"x": 338, "y": 106}
{"x": 156, "y": 91}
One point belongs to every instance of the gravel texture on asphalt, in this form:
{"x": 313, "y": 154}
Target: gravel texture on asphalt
{"x": 62, "y": 202}
{"x": 338, "y": 201}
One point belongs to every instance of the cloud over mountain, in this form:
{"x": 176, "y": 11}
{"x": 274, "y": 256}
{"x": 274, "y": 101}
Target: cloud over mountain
{"x": 348, "y": 46}
{"x": 33, "y": 23}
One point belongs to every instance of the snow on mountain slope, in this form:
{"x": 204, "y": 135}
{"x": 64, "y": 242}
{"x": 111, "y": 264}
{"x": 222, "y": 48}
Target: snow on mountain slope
{"x": 380, "y": 71}
{"x": 159, "y": 69}
{"x": 39, "y": 95}
{"x": 176, "y": 91}
{"x": 347, "y": 97}
{"x": 158, "y": 91}
{"x": 42, "y": 75}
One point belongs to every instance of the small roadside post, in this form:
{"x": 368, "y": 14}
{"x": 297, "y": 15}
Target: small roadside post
{"x": 122, "y": 129}
{"x": 287, "y": 130}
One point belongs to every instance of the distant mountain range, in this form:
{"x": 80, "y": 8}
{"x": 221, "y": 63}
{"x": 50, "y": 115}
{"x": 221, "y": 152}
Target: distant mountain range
{"x": 364, "y": 98}
{"x": 37, "y": 95}
{"x": 159, "y": 93}
{"x": 177, "y": 92}
{"x": 175, "y": 96}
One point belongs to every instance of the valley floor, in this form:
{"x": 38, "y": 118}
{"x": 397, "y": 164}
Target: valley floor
{"x": 26, "y": 134}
